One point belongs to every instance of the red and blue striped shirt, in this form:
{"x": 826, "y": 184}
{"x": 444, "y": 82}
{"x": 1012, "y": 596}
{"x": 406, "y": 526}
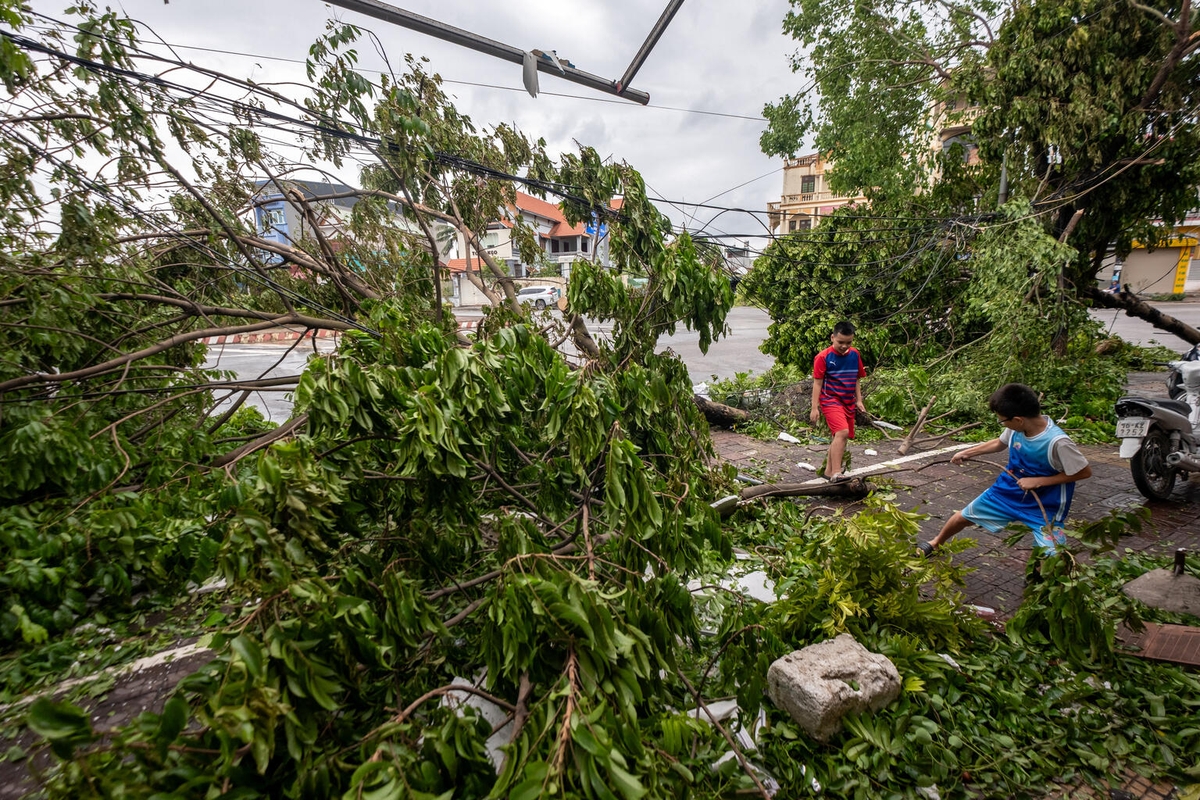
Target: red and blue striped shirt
{"x": 840, "y": 375}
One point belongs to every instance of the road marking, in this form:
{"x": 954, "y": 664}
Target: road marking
{"x": 895, "y": 462}
{"x": 158, "y": 659}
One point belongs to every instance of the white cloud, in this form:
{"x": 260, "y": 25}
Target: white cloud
{"x": 715, "y": 56}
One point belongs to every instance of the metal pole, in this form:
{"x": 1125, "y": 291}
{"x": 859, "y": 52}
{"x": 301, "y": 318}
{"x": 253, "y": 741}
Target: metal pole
{"x": 655, "y": 34}
{"x": 439, "y": 30}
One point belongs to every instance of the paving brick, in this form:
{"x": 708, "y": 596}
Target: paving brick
{"x": 939, "y": 489}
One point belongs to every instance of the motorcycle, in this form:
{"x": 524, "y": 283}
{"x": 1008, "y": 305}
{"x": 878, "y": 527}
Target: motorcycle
{"x": 1175, "y": 379}
{"x": 1161, "y": 438}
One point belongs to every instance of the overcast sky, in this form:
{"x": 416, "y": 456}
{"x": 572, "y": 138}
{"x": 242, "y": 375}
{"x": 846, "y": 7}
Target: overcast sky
{"x": 716, "y": 56}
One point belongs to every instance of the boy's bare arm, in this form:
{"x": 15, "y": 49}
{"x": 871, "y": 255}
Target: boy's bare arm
{"x": 982, "y": 449}
{"x": 858, "y": 403}
{"x": 815, "y": 414}
{"x": 1054, "y": 480}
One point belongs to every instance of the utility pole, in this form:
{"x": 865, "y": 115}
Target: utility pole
{"x": 482, "y": 44}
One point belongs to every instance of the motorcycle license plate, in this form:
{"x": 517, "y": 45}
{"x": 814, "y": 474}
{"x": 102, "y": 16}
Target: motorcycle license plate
{"x": 1132, "y": 427}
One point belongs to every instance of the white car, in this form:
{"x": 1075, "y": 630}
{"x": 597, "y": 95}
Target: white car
{"x": 540, "y": 296}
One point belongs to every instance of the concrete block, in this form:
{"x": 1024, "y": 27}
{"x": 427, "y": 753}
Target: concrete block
{"x": 824, "y": 682}
{"x": 1161, "y": 588}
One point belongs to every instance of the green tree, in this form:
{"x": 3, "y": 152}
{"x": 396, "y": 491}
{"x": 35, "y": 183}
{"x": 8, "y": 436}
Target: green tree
{"x": 1090, "y": 103}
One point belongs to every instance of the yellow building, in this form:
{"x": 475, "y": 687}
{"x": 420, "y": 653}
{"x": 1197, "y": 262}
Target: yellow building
{"x": 806, "y": 196}
{"x": 1170, "y": 268}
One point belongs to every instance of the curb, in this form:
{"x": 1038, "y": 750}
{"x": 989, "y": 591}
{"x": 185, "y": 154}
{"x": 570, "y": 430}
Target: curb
{"x": 281, "y": 335}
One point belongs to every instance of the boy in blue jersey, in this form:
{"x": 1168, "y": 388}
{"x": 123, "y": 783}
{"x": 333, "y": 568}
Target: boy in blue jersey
{"x": 836, "y": 394}
{"x": 1043, "y": 465}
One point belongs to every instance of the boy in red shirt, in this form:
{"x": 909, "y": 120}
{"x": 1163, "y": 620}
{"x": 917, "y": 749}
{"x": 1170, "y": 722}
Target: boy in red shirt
{"x": 836, "y": 394}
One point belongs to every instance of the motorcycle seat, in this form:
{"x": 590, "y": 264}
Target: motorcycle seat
{"x": 1178, "y": 406}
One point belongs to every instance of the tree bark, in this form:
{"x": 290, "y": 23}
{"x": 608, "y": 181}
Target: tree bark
{"x": 720, "y": 415}
{"x": 912, "y": 434}
{"x": 1132, "y": 305}
{"x": 853, "y": 489}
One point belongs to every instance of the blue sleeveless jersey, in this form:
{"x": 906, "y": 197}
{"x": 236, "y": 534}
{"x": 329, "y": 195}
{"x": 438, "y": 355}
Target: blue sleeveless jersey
{"x": 1004, "y": 499}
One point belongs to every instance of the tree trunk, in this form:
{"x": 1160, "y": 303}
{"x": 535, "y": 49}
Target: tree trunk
{"x": 853, "y": 489}
{"x": 1132, "y": 305}
{"x": 720, "y": 415}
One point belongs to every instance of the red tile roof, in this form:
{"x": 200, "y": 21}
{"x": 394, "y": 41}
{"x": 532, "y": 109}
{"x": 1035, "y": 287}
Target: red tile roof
{"x": 563, "y": 229}
{"x": 459, "y": 265}
{"x": 552, "y": 212}
{"x": 540, "y": 207}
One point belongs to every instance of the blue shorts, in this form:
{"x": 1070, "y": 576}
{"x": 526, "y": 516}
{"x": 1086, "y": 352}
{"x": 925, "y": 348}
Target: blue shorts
{"x": 994, "y": 512}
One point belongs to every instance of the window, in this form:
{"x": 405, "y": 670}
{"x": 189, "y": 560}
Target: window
{"x": 273, "y": 217}
{"x": 554, "y": 245}
{"x": 791, "y": 226}
{"x": 568, "y": 246}
{"x": 808, "y": 184}
{"x": 583, "y": 245}
{"x": 805, "y": 224}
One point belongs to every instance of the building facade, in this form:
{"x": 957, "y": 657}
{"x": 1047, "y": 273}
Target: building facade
{"x": 807, "y": 198}
{"x": 561, "y": 245}
{"x": 1169, "y": 268}
{"x": 278, "y": 220}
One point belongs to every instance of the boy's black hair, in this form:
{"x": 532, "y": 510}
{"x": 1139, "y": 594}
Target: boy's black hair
{"x": 1015, "y": 400}
{"x": 843, "y": 328}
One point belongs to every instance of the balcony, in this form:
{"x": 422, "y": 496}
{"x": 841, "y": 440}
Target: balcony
{"x": 809, "y": 197}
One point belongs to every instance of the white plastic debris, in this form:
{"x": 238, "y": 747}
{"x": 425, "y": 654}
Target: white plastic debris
{"x": 869, "y": 452}
{"x": 757, "y": 585}
{"x": 784, "y": 436}
{"x": 701, "y": 390}
{"x": 950, "y": 661}
{"x": 886, "y": 425}
{"x": 806, "y": 465}
{"x": 492, "y": 713}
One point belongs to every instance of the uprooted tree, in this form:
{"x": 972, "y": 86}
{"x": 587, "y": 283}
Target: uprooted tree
{"x": 527, "y": 505}
{"x": 517, "y": 518}
{"x": 1088, "y": 108}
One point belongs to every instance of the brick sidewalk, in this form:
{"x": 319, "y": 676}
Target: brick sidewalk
{"x": 942, "y": 489}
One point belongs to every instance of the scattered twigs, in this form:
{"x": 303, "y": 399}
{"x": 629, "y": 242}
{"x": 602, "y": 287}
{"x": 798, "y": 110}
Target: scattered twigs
{"x": 466, "y": 612}
{"x": 916, "y": 428}
{"x": 935, "y": 440}
{"x": 282, "y": 432}
{"x": 449, "y": 689}
{"x": 737, "y": 751}
{"x": 520, "y": 715}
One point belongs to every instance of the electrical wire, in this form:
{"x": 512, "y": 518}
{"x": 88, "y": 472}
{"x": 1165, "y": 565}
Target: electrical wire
{"x": 475, "y": 84}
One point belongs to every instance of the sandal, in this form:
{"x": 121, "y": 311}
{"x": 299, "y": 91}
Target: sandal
{"x": 925, "y": 549}
{"x": 841, "y": 477}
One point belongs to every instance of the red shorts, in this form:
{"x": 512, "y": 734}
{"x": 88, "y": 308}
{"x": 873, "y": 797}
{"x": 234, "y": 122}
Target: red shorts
{"x": 839, "y": 418}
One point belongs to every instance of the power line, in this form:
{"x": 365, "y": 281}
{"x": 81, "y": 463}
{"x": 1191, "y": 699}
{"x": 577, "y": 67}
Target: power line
{"x": 592, "y": 99}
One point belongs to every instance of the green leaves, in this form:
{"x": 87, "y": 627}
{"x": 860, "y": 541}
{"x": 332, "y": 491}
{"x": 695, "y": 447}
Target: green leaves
{"x": 65, "y": 726}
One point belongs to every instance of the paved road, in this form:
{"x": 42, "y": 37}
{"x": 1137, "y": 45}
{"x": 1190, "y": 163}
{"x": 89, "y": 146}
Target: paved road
{"x": 252, "y": 361}
{"x": 728, "y": 356}
{"x": 736, "y": 353}
{"x": 725, "y": 358}
{"x": 1137, "y": 331}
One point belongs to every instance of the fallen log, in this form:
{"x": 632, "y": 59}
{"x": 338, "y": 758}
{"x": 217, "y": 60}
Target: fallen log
{"x": 853, "y": 489}
{"x": 719, "y": 414}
